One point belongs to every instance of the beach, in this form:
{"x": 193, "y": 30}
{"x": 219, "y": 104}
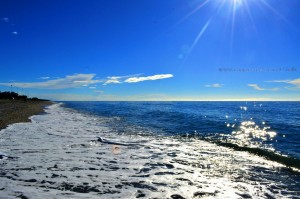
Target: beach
{"x": 15, "y": 111}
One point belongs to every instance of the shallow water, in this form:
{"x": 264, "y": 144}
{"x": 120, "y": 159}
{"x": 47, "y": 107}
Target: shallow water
{"x": 57, "y": 156}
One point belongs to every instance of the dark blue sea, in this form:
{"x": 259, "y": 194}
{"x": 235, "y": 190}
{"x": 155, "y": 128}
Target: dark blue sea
{"x": 165, "y": 150}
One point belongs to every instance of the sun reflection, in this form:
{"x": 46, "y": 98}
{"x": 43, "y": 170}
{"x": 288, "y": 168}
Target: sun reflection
{"x": 251, "y": 135}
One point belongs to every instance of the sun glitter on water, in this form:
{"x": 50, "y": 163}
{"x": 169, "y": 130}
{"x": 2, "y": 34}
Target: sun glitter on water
{"x": 251, "y": 135}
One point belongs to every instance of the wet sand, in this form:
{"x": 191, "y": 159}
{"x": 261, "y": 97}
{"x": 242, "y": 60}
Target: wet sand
{"x": 19, "y": 111}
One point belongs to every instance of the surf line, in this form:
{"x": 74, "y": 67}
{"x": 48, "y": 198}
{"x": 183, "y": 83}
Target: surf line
{"x": 110, "y": 142}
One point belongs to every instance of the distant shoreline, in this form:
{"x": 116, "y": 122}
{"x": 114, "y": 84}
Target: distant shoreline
{"x": 16, "y": 111}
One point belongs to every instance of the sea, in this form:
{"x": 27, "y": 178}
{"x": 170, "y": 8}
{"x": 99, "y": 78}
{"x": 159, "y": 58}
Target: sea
{"x": 154, "y": 150}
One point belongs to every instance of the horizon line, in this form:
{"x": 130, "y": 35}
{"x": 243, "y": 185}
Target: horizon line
{"x": 229, "y": 100}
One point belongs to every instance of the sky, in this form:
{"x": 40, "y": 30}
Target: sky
{"x": 144, "y": 50}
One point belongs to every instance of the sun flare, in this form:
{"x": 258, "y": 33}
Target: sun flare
{"x": 230, "y": 9}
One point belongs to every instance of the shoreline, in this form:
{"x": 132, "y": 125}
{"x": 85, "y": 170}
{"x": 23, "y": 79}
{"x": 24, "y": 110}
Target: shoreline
{"x": 16, "y": 111}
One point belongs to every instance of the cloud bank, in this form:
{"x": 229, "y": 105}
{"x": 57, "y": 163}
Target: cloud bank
{"x": 83, "y": 80}
{"x": 70, "y": 81}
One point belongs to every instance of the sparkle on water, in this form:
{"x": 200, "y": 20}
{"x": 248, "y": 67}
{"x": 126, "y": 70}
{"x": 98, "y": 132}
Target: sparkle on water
{"x": 251, "y": 135}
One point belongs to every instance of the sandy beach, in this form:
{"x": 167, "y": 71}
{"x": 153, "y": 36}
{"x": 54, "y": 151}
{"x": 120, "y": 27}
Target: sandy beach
{"x": 19, "y": 111}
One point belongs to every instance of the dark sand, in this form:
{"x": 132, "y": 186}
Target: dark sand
{"x": 19, "y": 111}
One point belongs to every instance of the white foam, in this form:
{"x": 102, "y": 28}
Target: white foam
{"x": 57, "y": 159}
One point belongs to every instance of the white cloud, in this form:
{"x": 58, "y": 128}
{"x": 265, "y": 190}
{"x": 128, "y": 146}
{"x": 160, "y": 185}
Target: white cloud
{"x": 112, "y": 80}
{"x": 92, "y": 87}
{"x": 134, "y": 78}
{"x": 295, "y": 83}
{"x": 14, "y": 33}
{"x": 214, "y": 85}
{"x": 154, "y": 77}
{"x": 70, "y": 81}
{"x": 257, "y": 87}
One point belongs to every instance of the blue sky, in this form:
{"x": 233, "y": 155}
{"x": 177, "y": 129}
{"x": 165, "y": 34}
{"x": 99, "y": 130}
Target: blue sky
{"x": 151, "y": 49}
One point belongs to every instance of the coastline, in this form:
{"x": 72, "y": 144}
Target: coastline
{"x": 16, "y": 111}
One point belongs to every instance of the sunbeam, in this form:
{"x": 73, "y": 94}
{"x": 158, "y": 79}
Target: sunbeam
{"x": 200, "y": 34}
{"x": 233, "y": 10}
{"x": 198, "y": 38}
{"x": 232, "y": 24}
{"x": 193, "y": 11}
{"x": 250, "y": 16}
{"x": 266, "y": 4}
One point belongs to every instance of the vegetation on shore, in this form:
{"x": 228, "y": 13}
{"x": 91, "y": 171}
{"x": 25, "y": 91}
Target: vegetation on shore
{"x": 16, "y": 96}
